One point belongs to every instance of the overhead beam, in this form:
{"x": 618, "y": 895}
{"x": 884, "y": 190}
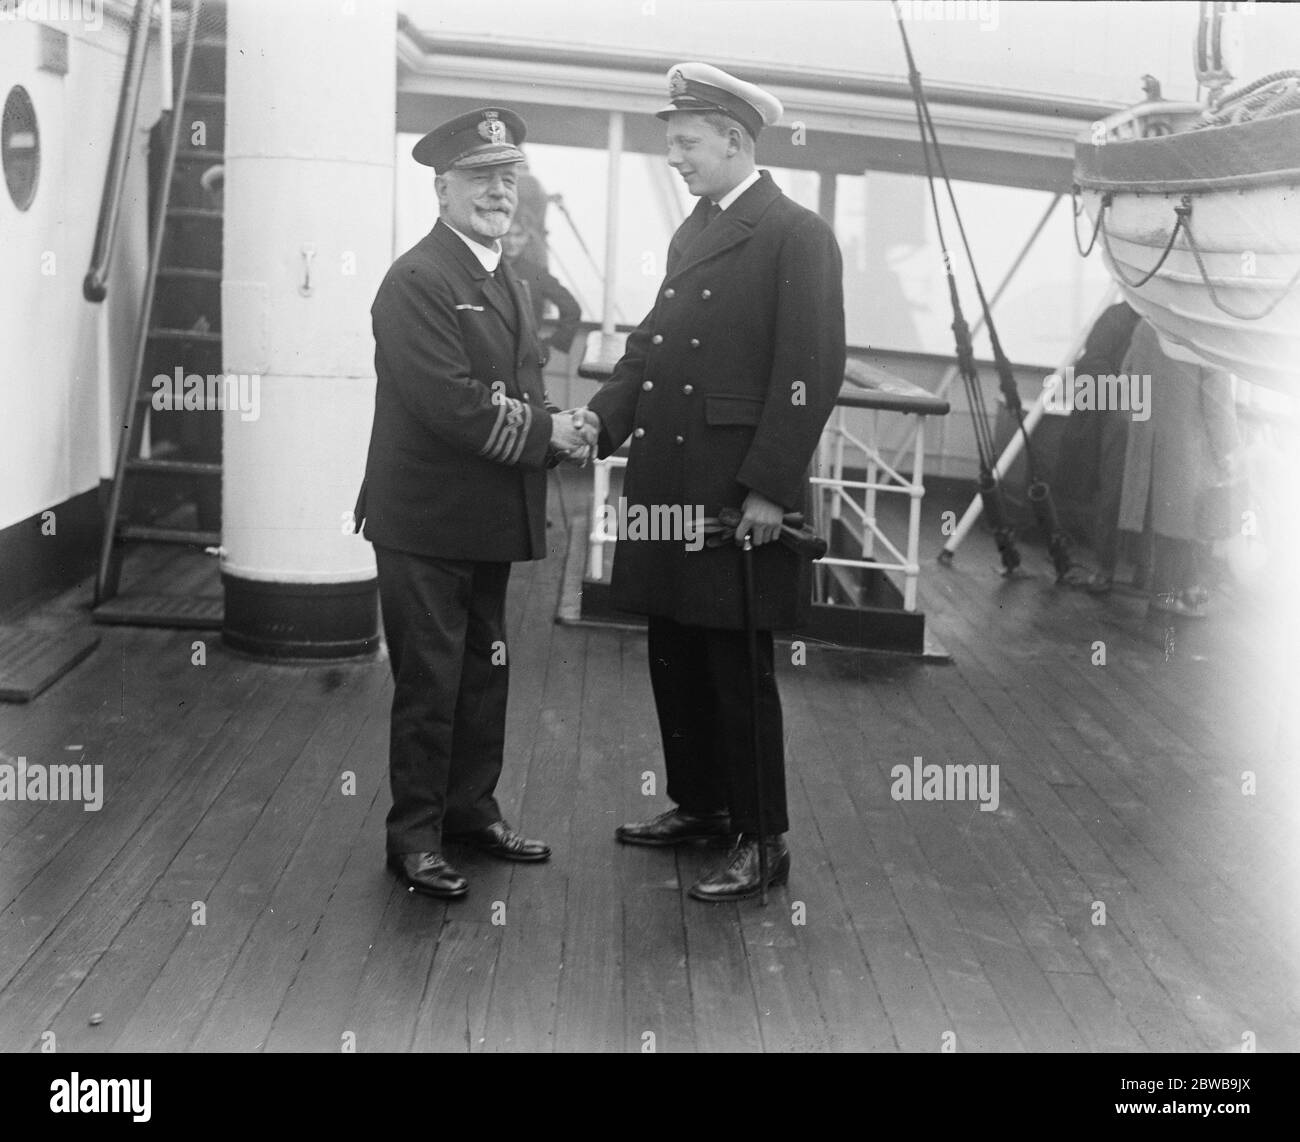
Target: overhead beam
{"x": 841, "y": 123}
{"x": 825, "y": 151}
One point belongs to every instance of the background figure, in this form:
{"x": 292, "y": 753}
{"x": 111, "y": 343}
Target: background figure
{"x": 543, "y": 287}
{"x": 531, "y": 215}
{"x": 1098, "y": 439}
{"x": 1172, "y": 461}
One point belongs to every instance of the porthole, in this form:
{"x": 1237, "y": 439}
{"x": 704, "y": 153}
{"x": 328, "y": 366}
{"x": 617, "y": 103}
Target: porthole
{"x": 20, "y": 147}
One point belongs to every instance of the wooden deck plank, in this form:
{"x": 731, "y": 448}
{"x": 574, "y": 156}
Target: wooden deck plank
{"x": 1231, "y": 823}
{"x": 296, "y": 774}
{"x": 656, "y": 977}
{"x": 916, "y": 1012}
{"x": 244, "y": 1009}
{"x": 848, "y": 1001}
{"x": 1114, "y": 960}
{"x": 1119, "y": 784}
{"x": 1148, "y": 931}
{"x": 387, "y": 1002}
{"x": 141, "y": 812}
{"x": 977, "y": 1016}
{"x": 590, "y": 1014}
{"x": 1205, "y": 891}
{"x": 1128, "y": 782}
{"x": 113, "y": 711}
{"x": 1096, "y": 1012}
{"x": 315, "y": 1012}
{"x": 148, "y": 834}
{"x": 454, "y": 1006}
{"x": 522, "y": 1006}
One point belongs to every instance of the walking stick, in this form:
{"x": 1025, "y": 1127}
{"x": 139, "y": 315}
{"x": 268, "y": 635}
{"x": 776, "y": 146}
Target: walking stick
{"x": 751, "y": 638}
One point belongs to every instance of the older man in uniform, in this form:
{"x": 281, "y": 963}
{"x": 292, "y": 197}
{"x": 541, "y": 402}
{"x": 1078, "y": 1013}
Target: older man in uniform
{"x": 724, "y": 389}
{"x": 455, "y": 491}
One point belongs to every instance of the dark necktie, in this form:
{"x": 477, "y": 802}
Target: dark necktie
{"x": 713, "y": 212}
{"x": 496, "y": 284}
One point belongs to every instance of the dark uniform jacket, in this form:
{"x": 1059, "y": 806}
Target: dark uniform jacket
{"x": 725, "y": 387}
{"x": 461, "y": 436}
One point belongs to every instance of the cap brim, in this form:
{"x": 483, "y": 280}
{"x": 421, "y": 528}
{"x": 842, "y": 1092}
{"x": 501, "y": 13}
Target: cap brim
{"x": 424, "y": 152}
{"x": 495, "y": 157}
{"x": 696, "y": 107}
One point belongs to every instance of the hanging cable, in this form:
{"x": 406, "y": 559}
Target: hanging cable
{"x": 1040, "y": 493}
{"x": 989, "y": 486}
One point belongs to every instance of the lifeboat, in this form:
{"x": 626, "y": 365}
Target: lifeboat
{"x": 1196, "y": 210}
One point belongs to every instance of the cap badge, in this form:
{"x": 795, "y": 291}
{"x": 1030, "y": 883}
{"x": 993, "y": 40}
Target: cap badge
{"x": 676, "y": 83}
{"x": 493, "y": 130}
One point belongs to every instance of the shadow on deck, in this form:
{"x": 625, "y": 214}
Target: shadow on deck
{"x": 1124, "y": 895}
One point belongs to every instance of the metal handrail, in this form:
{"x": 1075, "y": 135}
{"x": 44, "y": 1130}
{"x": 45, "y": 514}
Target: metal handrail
{"x": 104, "y": 588}
{"x": 94, "y": 286}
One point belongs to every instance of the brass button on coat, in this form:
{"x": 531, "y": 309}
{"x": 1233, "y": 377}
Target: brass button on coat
{"x": 695, "y": 342}
{"x": 670, "y": 292}
{"x": 657, "y": 339}
{"x": 647, "y": 385}
{"x": 688, "y": 389}
{"x": 706, "y": 294}
{"x": 639, "y": 432}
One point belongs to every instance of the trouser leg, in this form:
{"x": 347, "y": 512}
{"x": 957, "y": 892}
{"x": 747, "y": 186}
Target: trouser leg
{"x": 684, "y": 703}
{"x": 1110, "y": 490}
{"x": 727, "y": 659}
{"x": 425, "y": 607}
{"x": 478, "y": 739}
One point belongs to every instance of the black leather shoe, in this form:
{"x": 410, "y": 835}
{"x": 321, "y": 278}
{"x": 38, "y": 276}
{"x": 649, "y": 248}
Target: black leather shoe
{"x": 739, "y": 877}
{"x": 676, "y": 827}
{"x": 429, "y": 873}
{"x": 500, "y": 840}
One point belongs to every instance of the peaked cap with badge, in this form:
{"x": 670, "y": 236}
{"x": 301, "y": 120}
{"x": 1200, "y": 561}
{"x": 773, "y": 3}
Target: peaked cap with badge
{"x": 487, "y": 137}
{"x": 702, "y": 88}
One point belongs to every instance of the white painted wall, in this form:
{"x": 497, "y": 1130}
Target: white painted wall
{"x": 54, "y": 386}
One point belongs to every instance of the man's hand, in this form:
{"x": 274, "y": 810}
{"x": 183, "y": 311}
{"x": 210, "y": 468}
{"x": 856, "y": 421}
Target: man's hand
{"x": 761, "y": 519}
{"x": 574, "y": 434}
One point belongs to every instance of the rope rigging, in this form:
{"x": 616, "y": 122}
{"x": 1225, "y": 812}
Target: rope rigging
{"x": 1039, "y": 493}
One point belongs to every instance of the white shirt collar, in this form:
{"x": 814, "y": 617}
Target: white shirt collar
{"x": 736, "y": 191}
{"x": 490, "y": 256}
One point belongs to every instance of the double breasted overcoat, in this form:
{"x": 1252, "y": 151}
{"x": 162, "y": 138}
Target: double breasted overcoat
{"x": 726, "y": 387}
{"x": 461, "y": 435}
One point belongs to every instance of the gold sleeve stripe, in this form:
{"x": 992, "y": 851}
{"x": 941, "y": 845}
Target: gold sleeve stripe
{"x": 510, "y": 433}
{"x": 518, "y": 450}
{"x": 490, "y": 446}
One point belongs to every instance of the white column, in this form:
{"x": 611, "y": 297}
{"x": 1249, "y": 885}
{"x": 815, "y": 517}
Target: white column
{"x": 310, "y": 100}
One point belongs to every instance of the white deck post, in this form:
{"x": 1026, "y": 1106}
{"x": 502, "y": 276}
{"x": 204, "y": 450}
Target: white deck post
{"x": 600, "y": 469}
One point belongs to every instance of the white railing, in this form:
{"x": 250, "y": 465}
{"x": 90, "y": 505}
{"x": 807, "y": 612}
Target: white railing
{"x": 867, "y": 387}
{"x": 833, "y": 494}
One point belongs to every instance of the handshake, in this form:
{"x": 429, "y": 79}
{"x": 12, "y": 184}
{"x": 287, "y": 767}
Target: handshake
{"x": 574, "y": 433}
